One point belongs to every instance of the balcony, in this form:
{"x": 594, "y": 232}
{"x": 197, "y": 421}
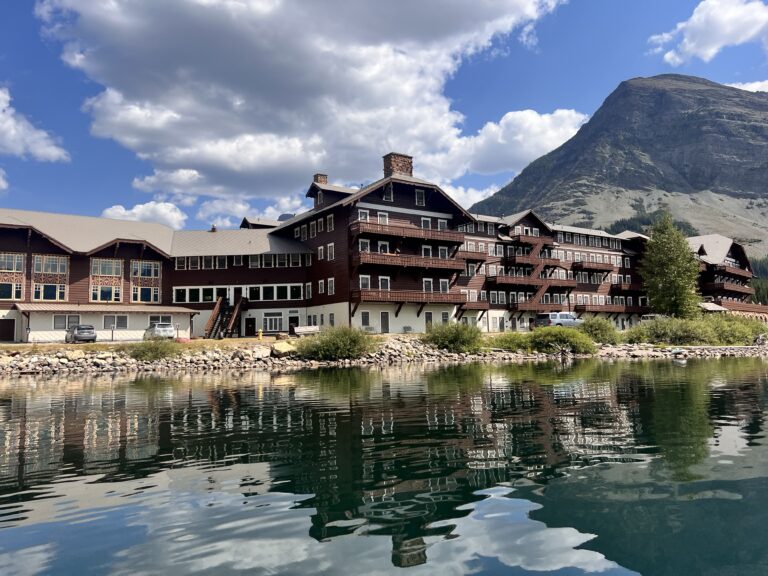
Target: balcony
{"x": 534, "y": 307}
{"x": 532, "y": 240}
{"x": 560, "y": 282}
{"x": 403, "y": 229}
{"x": 594, "y": 266}
{"x": 743, "y": 306}
{"x": 471, "y": 255}
{"x": 516, "y": 280}
{"x": 610, "y": 308}
{"x": 733, "y": 271}
{"x": 477, "y": 305}
{"x": 531, "y": 260}
{"x": 626, "y": 287}
{"x": 403, "y": 261}
{"x": 727, "y": 287}
{"x": 408, "y": 296}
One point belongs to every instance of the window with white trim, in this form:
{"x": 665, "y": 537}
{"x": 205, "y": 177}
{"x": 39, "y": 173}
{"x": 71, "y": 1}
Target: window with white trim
{"x": 387, "y": 194}
{"x": 237, "y": 260}
{"x": 362, "y": 215}
{"x": 11, "y": 262}
{"x": 282, "y": 260}
{"x": 445, "y": 285}
{"x": 426, "y": 251}
{"x": 160, "y": 319}
{"x": 180, "y": 263}
{"x": 295, "y": 260}
{"x": 115, "y": 322}
{"x": 208, "y": 262}
{"x": 329, "y": 224}
{"x": 320, "y": 252}
{"x": 11, "y": 291}
{"x": 442, "y": 252}
{"x": 331, "y": 252}
{"x": 308, "y": 290}
{"x": 383, "y": 247}
{"x": 364, "y": 245}
{"x": 384, "y": 283}
{"x": 51, "y": 264}
{"x": 312, "y": 229}
{"x": 145, "y": 269}
{"x": 331, "y": 286}
{"x": 145, "y": 294}
{"x": 419, "y": 197}
{"x": 304, "y": 232}
{"x": 296, "y": 232}
{"x": 221, "y": 262}
{"x": 254, "y": 261}
{"x": 321, "y": 286}
{"x": 427, "y": 284}
{"x": 426, "y": 223}
{"x": 365, "y": 318}
{"x": 442, "y": 224}
{"x": 194, "y": 262}
{"x": 49, "y": 292}
{"x": 267, "y": 260}
{"x": 382, "y": 217}
{"x": 65, "y": 321}
{"x": 105, "y": 293}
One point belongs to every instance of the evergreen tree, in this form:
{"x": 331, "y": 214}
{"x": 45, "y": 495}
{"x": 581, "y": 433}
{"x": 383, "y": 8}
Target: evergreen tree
{"x": 670, "y": 271}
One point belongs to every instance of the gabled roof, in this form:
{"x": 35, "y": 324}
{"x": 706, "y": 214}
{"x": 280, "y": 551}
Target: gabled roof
{"x": 258, "y": 223}
{"x": 513, "y": 219}
{"x": 629, "y": 235}
{"x": 587, "y": 231}
{"x": 241, "y": 241}
{"x": 334, "y": 188}
{"x": 711, "y": 248}
{"x": 88, "y": 234}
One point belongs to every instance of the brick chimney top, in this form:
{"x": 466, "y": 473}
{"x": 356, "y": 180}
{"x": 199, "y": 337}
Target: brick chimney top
{"x": 320, "y": 178}
{"x": 395, "y": 163}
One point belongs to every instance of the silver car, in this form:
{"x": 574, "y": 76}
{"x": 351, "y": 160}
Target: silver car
{"x": 557, "y": 319}
{"x": 80, "y": 333}
{"x": 160, "y": 331}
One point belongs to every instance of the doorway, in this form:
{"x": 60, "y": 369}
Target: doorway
{"x": 7, "y": 330}
{"x": 384, "y": 322}
{"x": 250, "y": 326}
{"x": 428, "y": 320}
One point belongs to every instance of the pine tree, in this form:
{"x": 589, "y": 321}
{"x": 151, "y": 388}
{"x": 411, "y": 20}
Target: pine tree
{"x": 670, "y": 271}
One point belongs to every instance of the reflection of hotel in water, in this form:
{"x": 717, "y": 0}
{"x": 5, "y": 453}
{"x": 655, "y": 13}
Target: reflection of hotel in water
{"x": 398, "y": 448}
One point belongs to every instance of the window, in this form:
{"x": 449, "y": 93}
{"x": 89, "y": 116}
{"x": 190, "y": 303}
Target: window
{"x": 494, "y": 297}
{"x": 180, "y": 263}
{"x": 147, "y": 294}
{"x": 365, "y": 282}
{"x": 304, "y": 232}
{"x": 445, "y": 317}
{"x": 331, "y": 286}
{"x": 426, "y": 223}
{"x": 383, "y": 247}
{"x": 254, "y": 260}
{"x": 11, "y": 262}
{"x": 194, "y": 294}
{"x": 221, "y": 262}
{"x": 282, "y": 292}
{"x": 419, "y": 197}
{"x": 268, "y": 260}
{"x": 483, "y": 295}
{"x": 10, "y": 291}
{"x": 194, "y": 262}
{"x": 54, "y": 292}
{"x": 365, "y": 318}
{"x": 626, "y": 262}
{"x": 331, "y": 319}
{"x": 267, "y": 292}
{"x": 382, "y": 217}
{"x": 362, "y": 215}
{"x": 321, "y": 286}
{"x": 51, "y": 264}
{"x": 319, "y": 197}
{"x": 208, "y": 262}
{"x": 254, "y": 293}
{"x": 308, "y": 290}
{"x": 295, "y": 260}
{"x": 115, "y": 322}
{"x": 502, "y": 297}
{"x": 159, "y": 319}
{"x": 426, "y": 251}
{"x": 365, "y": 245}
{"x": 272, "y": 322}
{"x": 296, "y": 232}
{"x": 329, "y": 222}
{"x": 442, "y": 252}
{"x": 445, "y": 285}
{"x": 331, "y": 253}
{"x": 308, "y": 259}
{"x": 312, "y": 229}
{"x": 282, "y": 260}
{"x": 180, "y": 295}
{"x": 65, "y": 321}
{"x": 320, "y": 223}
{"x": 442, "y": 224}
{"x": 383, "y": 282}
{"x": 105, "y": 294}
{"x": 320, "y": 252}
{"x": 388, "y": 195}
{"x": 427, "y": 284}
{"x": 145, "y": 269}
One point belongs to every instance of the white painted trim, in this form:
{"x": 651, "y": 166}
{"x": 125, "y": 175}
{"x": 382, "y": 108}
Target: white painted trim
{"x": 404, "y": 210}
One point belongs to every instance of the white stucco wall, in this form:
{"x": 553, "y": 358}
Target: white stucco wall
{"x": 406, "y": 317}
{"x": 14, "y": 315}
{"x": 41, "y": 327}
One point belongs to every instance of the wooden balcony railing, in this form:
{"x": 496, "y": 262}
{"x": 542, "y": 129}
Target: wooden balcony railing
{"x": 734, "y": 271}
{"x": 560, "y": 282}
{"x": 477, "y": 305}
{"x": 405, "y": 229}
{"x": 610, "y": 308}
{"x": 531, "y": 260}
{"x": 627, "y": 287}
{"x": 408, "y": 296}
{"x": 471, "y": 255}
{"x": 406, "y": 260}
{"x": 595, "y": 266}
{"x": 728, "y": 287}
{"x": 528, "y": 239}
{"x": 743, "y": 306}
{"x": 516, "y": 280}
{"x": 535, "y": 307}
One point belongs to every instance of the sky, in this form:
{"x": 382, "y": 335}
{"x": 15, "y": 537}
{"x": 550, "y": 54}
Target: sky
{"x": 200, "y": 112}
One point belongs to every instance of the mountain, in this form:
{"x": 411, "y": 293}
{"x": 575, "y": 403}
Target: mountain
{"x": 696, "y": 147}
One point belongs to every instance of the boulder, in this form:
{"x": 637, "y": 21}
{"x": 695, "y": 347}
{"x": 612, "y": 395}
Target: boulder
{"x": 260, "y": 352}
{"x": 75, "y": 354}
{"x": 283, "y": 349}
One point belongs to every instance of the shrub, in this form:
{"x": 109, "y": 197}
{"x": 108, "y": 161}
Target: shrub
{"x": 339, "y": 343}
{"x": 556, "y": 339}
{"x": 454, "y": 337}
{"x": 600, "y": 330}
{"x": 713, "y": 329}
{"x": 511, "y": 341}
{"x": 151, "y": 350}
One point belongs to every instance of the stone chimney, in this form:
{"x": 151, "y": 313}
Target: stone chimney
{"x": 395, "y": 163}
{"x": 320, "y": 178}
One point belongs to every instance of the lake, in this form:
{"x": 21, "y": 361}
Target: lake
{"x": 610, "y": 468}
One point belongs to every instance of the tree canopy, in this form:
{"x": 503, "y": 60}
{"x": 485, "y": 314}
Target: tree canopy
{"x": 670, "y": 271}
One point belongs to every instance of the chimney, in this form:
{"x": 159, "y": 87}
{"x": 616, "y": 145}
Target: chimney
{"x": 395, "y": 163}
{"x": 213, "y": 228}
{"x": 320, "y": 178}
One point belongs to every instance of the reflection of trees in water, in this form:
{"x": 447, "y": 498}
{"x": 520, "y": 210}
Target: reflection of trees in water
{"x": 398, "y": 448}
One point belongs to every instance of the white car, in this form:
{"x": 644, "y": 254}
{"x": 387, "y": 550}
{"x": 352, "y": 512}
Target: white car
{"x": 160, "y": 331}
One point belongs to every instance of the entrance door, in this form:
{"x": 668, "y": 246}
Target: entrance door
{"x": 501, "y": 324}
{"x": 7, "y": 330}
{"x": 384, "y": 322}
{"x": 293, "y": 321}
{"x": 238, "y": 292}
{"x": 428, "y": 320}
{"x": 250, "y": 326}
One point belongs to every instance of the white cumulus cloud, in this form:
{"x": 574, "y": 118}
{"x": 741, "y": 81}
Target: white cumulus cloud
{"x": 3, "y": 180}
{"x": 18, "y": 137}
{"x": 160, "y": 212}
{"x": 247, "y": 98}
{"x": 758, "y": 86}
{"x": 714, "y": 25}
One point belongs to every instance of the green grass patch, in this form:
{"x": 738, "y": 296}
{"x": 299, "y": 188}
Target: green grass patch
{"x": 708, "y": 330}
{"x": 339, "y": 343}
{"x": 454, "y": 337}
{"x": 151, "y": 350}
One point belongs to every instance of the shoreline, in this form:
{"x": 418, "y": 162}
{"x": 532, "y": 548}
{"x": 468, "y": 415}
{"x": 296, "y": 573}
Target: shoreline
{"x": 398, "y": 350}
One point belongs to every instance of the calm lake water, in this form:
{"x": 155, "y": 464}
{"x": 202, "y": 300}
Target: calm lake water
{"x": 650, "y": 468}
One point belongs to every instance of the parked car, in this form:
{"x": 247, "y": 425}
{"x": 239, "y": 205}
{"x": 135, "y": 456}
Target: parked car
{"x": 80, "y": 333}
{"x": 160, "y": 331}
{"x": 557, "y": 319}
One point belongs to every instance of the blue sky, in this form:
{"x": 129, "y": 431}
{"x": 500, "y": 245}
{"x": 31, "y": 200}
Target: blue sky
{"x": 191, "y": 112}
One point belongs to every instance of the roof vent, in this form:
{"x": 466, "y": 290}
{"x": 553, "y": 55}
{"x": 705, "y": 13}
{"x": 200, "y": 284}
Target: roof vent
{"x": 213, "y": 228}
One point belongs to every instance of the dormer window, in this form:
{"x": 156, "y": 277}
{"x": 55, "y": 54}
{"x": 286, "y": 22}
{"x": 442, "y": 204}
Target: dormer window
{"x": 419, "y": 197}
{"x": 388, "y": 195}
{"x": 319, "y": 197}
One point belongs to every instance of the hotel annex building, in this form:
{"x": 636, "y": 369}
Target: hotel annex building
{"x": 395, "y": 256}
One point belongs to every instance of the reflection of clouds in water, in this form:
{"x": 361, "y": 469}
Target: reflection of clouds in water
{"x": 27, "y": 561}
{"x": 223, "y": 532}
{"x": 728, "y": 441}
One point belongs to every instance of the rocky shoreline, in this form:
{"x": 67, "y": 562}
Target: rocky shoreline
{"x": 279, "y": 358}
